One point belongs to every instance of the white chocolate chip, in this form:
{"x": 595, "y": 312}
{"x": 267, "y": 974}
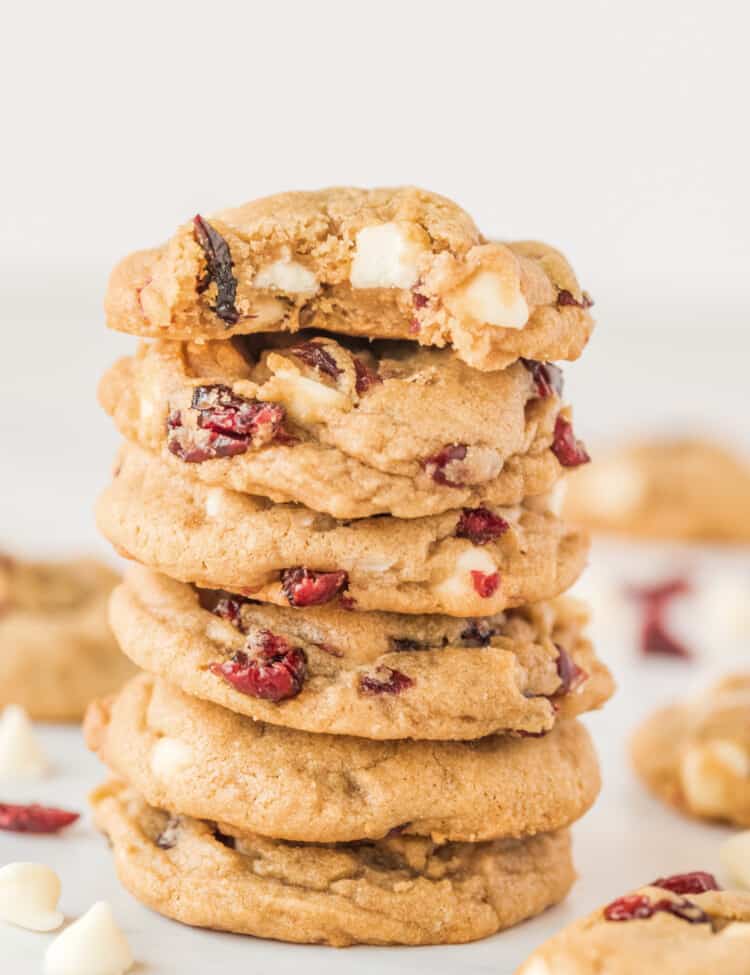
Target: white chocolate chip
{"x": 490, "y": 298}
{"x": 556, "y": 497}
{"x": 611, "y": 489}
{"x": 459, "y": 586}
{"x": 146, "y": 408}
{"x": 289, "y": 276}
{"x": 706, "y": 774}
{"x": 214, "y": 502}
{"x": 535, "y": 967}
{"x": 92, "y": 945}
{"x": 305, "y": 400}
{"x": 387, "y": 255}
{"x": 20, "y": 754}
{"x": 737, "y": 929}
{"x": 170, "y": 757}
{"x": 29, "y": 893}
{"x": 735, "y": 857}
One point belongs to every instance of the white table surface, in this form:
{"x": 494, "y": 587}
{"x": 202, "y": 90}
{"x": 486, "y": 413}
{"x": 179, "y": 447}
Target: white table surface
{"x": 626, "y": 840}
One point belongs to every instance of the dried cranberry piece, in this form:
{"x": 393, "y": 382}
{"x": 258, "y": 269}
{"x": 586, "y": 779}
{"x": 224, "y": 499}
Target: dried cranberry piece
{"x": 697, "y": 882}
{"x": 219, "y": 269}
{"x": 304, "y": 587}
{"x": 485, "y": 583}
{"x": 386, "y": 680}
{"x": 227, "y": 425}
{"x": 366, "y": 377}
{"x": 230, "y": 608}
{"x": 654, "y": 636}
{"x": 571, "y": 675}
{"x": 440, "y": 465}
{"x": 548, "y": 378}
{"x": 419, "y": 300}
{"x": 478, "y": 633}
{"x": 480, "y": 525}
{"x": 569, "y": 451}
{"x": 403, "y": 644}
{"x": 34, "y": 818}
{"x": 273, "y": 671}
{"x": 565, "y": 297}
{"x": 318, "y": 357}
{"x": 629, "y": 908}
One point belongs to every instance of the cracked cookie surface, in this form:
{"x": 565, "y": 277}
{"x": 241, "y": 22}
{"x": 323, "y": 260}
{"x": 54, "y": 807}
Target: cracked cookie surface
{"x": 384, "y": 263}
{"x": 518, "y": 671}
{"x": 343, "y": 427}
{"x": 289, "y": 555}
{"x": 256, "y": 778}
{"x": 695, "y": 755}
{"x": 56, "y": 649}
{"x": 402, "y": 890}
{"x": 689, "y": 929}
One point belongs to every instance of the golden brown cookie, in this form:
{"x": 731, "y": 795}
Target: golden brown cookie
{"x": 461, "y": 563}
{"x": 56, "y": 649}
{"x": 402, "y": 890}
{"x": 696, "y": 755}
{"x": 201, "y": 760}
{"x": 342, "y": 427}
{"x": 376, "y": 675}
{"x": 386, "y": 263}
{"x": 681, "y": 924}
{"x": 689, "y": 490}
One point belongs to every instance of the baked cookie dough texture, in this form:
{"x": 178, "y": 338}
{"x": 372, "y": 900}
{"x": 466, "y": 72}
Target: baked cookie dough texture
{"x": 678, "y": 489}
{"x": 57, "y": 651}
{"x": 695, "y": 755}
{"x": 344, "y": 437}
{"x": 683, "y": 923}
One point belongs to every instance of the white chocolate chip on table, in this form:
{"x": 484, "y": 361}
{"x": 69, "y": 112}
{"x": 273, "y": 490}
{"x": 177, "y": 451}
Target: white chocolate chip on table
{"x": 21, "y": 756}
{"x": 92, "y": 945}
{"x": 29, "y": 893}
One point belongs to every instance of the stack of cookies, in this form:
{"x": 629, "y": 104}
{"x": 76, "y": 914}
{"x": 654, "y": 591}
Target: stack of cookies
{"x": 357, "y": 717}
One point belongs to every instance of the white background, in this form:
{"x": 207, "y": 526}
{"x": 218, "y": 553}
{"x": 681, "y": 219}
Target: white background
{"x": 617, "y": 131}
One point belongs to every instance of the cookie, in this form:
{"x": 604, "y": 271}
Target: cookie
{"x": 375, "y": 675}
{"x": 681, "y": 924}
{"x": 292, "y": 785}
{"x": 401, "y": 890}
{"x": 56, "y": 649}
{"x": 342, "y": 427}
{"x": 461, "y": 563}
{"x": 696, "y": 755}
{"x": 690, "y": 490}
{"x": 385, "y": 263}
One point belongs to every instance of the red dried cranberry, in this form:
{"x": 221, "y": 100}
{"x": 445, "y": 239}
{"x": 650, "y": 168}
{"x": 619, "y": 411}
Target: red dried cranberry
{"x": 440, "y": 465}
{"x": 219, "y": 269}
{"x": 318, "y": 357}
{"x": 655, "y": 637}
{"x": 485, "y": 583}
{"x": 565, "y": 297}
{"x": 419, "y": 300}
{"x": 273, "y": 671}
{"x": 548, "y": 378}
{"x": 414, "y": 327}
{"x": 697, "y": 882}
{"x": 230, "y": 608}
{"x": 480, "y": 525}
{"x": 478, "y": 633}
{"x": 571, "y": 675}
{"x": 365, "y": 377}
{"x": 386, "y": 680}
{"x": 226, "y": 425}
{"x": 303, "y": 587}
{"x": 34, "y": 818}
{"x": 629, "y": 908}
{"x": 569, "y": 451}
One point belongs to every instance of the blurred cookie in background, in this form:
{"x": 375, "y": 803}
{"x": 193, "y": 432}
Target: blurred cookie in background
{"x": 671, "y": 489}
{"x": 695, "y": 755}
{"x": 56, "y": 649}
